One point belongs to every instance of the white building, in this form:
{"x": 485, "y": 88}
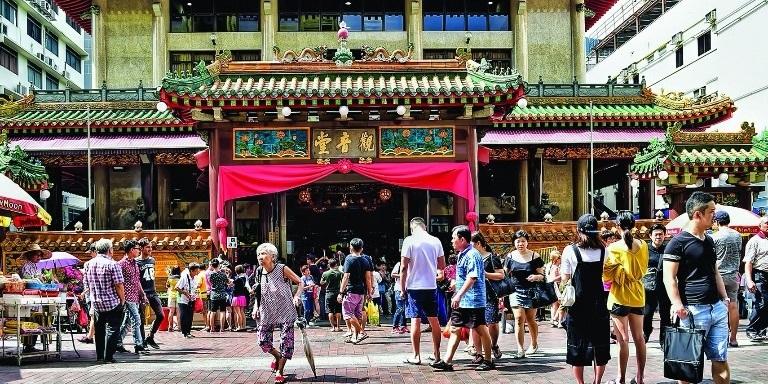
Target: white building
{"x": 39, "y": 46}
{"x": 698, "y": 47}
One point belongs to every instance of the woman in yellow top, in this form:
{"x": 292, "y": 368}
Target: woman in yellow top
{"x": 625, "y": 266}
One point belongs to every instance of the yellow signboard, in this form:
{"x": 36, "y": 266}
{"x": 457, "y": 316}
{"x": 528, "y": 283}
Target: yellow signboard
{"x": 340, "y": 143}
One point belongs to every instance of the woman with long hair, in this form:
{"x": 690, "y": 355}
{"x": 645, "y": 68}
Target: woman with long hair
{"x": 493, "y": 271}
{"x": 625, "y": 266}
{"x": 588, "y": 323}
{"x": 526, "y": 268}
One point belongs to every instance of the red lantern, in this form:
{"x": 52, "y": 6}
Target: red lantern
{"x": 221, "y": 222}
{"x": 471, "y": 216}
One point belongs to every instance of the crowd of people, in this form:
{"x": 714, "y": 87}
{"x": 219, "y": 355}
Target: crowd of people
{"x": 619, "y": 283}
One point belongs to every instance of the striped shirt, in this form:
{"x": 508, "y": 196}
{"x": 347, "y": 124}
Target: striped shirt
{"x": 102, "y": 274}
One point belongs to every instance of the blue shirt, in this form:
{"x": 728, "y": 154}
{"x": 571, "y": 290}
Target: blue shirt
{"x": 470, "y": 265}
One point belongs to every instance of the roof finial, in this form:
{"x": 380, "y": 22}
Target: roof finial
{"x": 343, "y": 56}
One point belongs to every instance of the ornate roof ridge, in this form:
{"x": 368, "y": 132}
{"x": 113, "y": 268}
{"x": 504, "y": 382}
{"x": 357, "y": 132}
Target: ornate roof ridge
{"x": 677, "y": 101}
{"x": 25, "y": 170}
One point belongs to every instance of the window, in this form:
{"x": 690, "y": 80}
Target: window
{"x": 34, "y": 30}
{"x": 498, "y": 58}
{"x": 185, "y": 61}
{"x": 54, "y": 7}
{"x": 679, "y": 57}
{"x": 218, "y": 16}
{"x": 51, "y": 83}
{"x": 466, "y": 15}
{"x": 35, "y": 76}
{"x": 73, "y": 60}
{"x": 73, "y": 24}
{"x": 325, "y": 15}
{"x": 705, "y": 43}
{"x": 51, "y": 43}
{"x": 8, "y": 10}
{"x": 9, "y": 59}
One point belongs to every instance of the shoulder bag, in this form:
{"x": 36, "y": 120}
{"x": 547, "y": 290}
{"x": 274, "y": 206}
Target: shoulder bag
{"x": 684, "y": 352}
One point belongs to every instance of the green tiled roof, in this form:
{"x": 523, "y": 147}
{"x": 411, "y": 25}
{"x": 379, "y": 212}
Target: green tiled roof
{"x": 20, "y": 167}
{"x": 61, "y": 117}
{"x": 703, "y": 153}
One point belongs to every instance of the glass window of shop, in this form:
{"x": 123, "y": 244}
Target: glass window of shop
{"x": 466, "y": 15}
{"x": 325, "y": 15}
{"x": 214, "y": 16}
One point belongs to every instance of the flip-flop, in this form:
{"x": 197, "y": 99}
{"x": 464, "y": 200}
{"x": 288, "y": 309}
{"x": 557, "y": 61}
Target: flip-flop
{"x": 409, "y": 362}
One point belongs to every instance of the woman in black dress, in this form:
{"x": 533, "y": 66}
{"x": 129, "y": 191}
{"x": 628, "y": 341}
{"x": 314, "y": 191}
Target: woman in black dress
{"x": 588, "y": 322}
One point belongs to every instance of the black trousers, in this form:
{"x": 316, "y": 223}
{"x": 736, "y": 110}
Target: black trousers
{"x": 107, "y": 332}
{"x": 758, "y": 320}
{"x": 186, "y": 311}
{"x": 157, "y": 308}
{"x": 656, "y": 298}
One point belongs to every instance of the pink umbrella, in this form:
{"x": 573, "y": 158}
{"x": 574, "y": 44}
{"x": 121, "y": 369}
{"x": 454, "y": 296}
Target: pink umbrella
{"x": 58, "y": 260}
{"x": 742, "y": 220}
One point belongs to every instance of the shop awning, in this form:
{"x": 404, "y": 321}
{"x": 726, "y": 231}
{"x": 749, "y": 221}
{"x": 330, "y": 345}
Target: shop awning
{"x": 572, "y": 136}
{"x": 111, "y": 144}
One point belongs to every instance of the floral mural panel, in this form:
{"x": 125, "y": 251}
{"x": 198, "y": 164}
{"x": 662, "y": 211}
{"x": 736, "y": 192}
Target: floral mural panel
{"x": 271, "y": 143}
{"x": 410, "y": 142}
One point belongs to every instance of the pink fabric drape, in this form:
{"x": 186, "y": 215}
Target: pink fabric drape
{"x": 238, "y": 181}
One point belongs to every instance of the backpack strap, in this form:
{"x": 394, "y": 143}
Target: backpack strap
{"x": 577, "y": 252}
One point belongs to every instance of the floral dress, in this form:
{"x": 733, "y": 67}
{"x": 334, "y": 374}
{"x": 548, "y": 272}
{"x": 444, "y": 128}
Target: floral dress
{"x": 276, "y": 310}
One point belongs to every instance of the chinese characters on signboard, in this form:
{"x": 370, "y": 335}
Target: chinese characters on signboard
{"x": 339, "y": 143}
{"x": 332, "y": 143}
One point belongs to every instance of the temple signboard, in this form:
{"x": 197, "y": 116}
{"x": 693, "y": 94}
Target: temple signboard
{"x": 412, "y": 142}
{"x": 271, "y": 143}
{"x": 343, "y": 143}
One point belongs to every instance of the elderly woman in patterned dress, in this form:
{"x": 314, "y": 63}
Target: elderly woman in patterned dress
{"x": 276, "y": 308}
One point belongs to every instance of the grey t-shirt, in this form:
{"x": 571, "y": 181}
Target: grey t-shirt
{"x": 728, "y": 252}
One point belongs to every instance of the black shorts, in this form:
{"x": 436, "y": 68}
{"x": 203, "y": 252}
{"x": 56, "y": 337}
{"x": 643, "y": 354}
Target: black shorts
{"x": 332, "y": 305}
{"x": 624, "y": 311}
{"x": 217, "y": 305}
{"x": 468, "y": 317}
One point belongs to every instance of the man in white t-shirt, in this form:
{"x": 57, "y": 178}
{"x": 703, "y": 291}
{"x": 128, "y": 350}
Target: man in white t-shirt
{"x": 422, "y": 260}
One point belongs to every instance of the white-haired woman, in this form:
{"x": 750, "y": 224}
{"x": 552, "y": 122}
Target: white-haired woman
{"x": 276, "y": 308}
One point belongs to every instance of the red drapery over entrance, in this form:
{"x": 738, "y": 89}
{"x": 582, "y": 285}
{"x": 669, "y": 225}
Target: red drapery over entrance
{"x": 238, "y": 181}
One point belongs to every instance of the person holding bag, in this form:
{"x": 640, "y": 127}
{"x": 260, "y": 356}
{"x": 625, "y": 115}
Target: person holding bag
{"x": 694, "y": 284}
{"x": 587, "y": 324}
{"x": 625, "y": 266}
{"x": 493, "y": 271}
{"x": 526, "y": 268}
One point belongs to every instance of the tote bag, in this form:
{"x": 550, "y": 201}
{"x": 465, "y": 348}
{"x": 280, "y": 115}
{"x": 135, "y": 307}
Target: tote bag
{"x": 684, "y": 352}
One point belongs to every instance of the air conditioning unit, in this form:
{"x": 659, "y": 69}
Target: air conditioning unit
{"x": 64, "y": 200}
{"x": 66, "y": 74}
{"x": 40, "y": 56}
{"x": 55, "y": 67}
{"x": 711, "y": 16}
{"x": 4, "y": 29}
{"x": 47, "y": 6}
{"x": 22, "y": 89}
{"x": 624, "y": 75}
{"x": 677, "y": 39}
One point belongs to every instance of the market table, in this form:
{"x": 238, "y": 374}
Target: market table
{"x": 15, "y": 307}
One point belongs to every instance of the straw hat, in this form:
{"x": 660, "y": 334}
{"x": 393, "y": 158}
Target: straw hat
{"x": 35, "y": 247}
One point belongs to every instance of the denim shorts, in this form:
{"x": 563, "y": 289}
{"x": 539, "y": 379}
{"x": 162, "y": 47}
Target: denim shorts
{"x": 713, "y": 319}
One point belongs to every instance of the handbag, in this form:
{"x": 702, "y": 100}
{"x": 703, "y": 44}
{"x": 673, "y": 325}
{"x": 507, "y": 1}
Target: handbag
{"x": 543, "y": 294}
{"x": 82, "y": 319}
{"x": 501, "y": 288}
{"x": 684, "y": 352}
{"x": 649, "y": 279}
{"x": 199, "y": 305}
{"x": 568, "y": 297}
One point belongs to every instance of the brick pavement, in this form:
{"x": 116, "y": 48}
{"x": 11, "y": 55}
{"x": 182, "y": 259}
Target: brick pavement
{"x": 235, "y": 358}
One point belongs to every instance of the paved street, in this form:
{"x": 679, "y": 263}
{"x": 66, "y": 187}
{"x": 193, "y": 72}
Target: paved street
{"x": 235, "y": 358}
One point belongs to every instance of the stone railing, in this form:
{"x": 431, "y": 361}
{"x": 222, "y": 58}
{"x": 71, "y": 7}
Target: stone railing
{"x": 102, "y": 94}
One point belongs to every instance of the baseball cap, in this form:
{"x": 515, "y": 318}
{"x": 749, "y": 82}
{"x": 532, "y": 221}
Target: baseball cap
{"x": 722, "y": 216}
{"x": 587, "y": 224}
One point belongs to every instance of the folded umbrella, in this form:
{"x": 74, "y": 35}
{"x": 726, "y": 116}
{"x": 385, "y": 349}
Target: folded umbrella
{"x": 301, "y": 323}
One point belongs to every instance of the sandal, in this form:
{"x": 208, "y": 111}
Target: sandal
{"x": 85, "y": 340}
{"x": 496, "y": 352}
{"x": 477, "y": 359}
